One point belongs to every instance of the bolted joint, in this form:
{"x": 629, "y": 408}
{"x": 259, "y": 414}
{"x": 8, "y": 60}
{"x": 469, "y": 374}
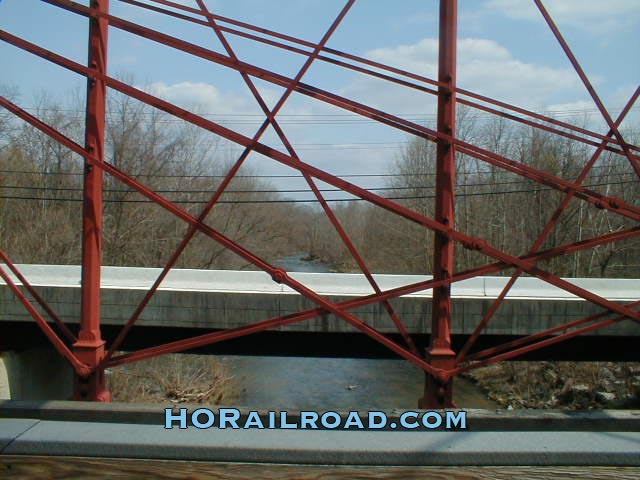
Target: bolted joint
{"x": 84, "y": 371}
{"x": 442, "y": 378}
{"x": 446, "y": 233}
{"x": 614, "y": 203}
{"x": 104, "y": 396}
{"x": 599, "y": 205}
{"x": 445, "y": 139}
{"x": 278, "y": 275}
{"x": 475, "y": 244}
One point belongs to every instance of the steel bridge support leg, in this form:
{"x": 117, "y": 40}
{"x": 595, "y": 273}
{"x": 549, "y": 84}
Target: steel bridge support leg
{"x": 438, "y": 392}
{"x": 90, "y": 346}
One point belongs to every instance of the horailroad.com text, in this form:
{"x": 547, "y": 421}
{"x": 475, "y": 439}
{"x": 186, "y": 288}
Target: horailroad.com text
{"x": 310, "y": 420}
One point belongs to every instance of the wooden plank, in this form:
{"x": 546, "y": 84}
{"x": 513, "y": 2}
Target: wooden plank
{"x": 18, "y": 467}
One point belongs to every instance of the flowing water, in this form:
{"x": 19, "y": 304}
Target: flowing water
{"x": 333, "y": 383}
{"x": 294, "y": 263}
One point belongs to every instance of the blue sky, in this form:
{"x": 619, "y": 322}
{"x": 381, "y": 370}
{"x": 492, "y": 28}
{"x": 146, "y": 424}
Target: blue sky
{"x": 505, "y": 51}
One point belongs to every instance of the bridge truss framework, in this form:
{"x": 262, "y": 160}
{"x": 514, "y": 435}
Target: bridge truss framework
{"x": 87, "y": 351}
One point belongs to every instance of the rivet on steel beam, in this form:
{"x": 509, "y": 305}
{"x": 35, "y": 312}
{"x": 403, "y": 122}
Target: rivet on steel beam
{"x": 442, "y": 377}
{"x": 475, "y": 244}
{"x": 84, "y": 371}
{"x": 104, "y": 397}
{"x": 278, "y": 275}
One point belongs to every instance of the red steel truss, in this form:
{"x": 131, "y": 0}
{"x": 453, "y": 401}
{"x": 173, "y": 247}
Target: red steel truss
{"x": 87, "y": 353}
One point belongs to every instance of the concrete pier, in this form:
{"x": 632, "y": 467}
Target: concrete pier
{"x": 35, "y": 374}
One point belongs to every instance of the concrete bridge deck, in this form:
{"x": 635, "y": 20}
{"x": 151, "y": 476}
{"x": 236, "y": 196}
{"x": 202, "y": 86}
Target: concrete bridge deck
{"x": 218, "y": 299}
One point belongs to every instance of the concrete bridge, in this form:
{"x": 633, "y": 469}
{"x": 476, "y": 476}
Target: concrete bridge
{"x": 219, "y": 299}
{"x": 192, "y": 301}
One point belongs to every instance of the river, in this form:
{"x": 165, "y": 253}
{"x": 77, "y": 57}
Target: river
{"x": 333, "y": 383}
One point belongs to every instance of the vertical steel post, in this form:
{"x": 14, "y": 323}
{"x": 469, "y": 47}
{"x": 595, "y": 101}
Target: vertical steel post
{"x": 438, "y": 390}
{"x": 90, "y": 346}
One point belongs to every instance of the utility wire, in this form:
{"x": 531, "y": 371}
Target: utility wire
{"x": 419, "y": 187}
{"x": 33, "y": 108}
{"x": 194, "y": 202}
{"x": 350, "y": 175}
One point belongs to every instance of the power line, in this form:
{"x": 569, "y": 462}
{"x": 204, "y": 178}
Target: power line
{"x": 515, "y": 182}
{"x": 194, "y": 202}
{"x": 350, "y": 175}
{"x": 573, "y": 111}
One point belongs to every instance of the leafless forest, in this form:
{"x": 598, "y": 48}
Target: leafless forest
{"x": 40, "y": 192}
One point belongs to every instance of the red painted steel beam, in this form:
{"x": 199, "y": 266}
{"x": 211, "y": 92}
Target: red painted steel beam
{"x": 384, "y": 67}
{"x": 467, "y": 241}
{"x": 80, "y": 367}
{"x": 90, "y": 346}
{"x": 232, "y": 172}
{"x": 536, "y": 346}
{"x": 542, "y": 118}
{"x": 38, "y": 298}
{"x": 542, "y": 237}
{"x": 587, "y": 83}
{"x": 600, "y": 201}
{"x": 439, "y": 394}
{"x": 484, "y": 270}
{"x": 228, "y": 334}
{"x": 545, "y": 333}
{"x": 278, "y": 275}
{"x": 290, "y": 149}
{"x": 151, "y": 195}
{"x": 214, "y": 337}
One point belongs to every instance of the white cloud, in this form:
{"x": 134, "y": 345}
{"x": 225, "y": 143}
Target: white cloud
{"x": 570, "y": 108}
{"x": 202, "y": 97}
{"x": 238, "y": 112}
{"x": 595, "y": 16}
{"x": 484, "y": 66}
{"x": 206, "y": 98}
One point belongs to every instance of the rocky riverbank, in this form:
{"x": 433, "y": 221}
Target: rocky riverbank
{"x": 565, "y": 385}
{"x": 175, "y": 379}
